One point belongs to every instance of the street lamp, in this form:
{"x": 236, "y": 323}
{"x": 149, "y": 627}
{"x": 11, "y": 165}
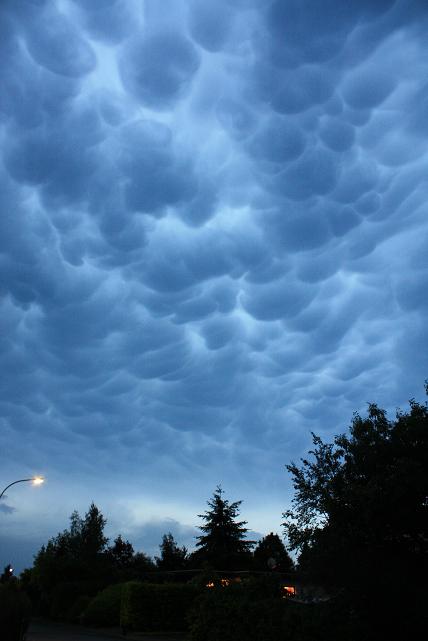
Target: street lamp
{"x": 36, "y": 480}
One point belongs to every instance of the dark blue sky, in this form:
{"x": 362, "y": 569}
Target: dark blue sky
{"x": 213, "y": 241}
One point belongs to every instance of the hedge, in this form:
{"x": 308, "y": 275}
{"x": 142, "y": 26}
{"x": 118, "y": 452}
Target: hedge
{"x": 153, "y": 607}
{"x": 66, "y": 598}
{"x": 75, "y": 614}
{"x": 246, "y": 613}
{"x": 104, "y": 608}
{"x": 235, "y": 613}
{"x": 15, "y": 611}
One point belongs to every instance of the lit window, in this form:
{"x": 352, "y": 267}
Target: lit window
{"x": 288, "y": 591}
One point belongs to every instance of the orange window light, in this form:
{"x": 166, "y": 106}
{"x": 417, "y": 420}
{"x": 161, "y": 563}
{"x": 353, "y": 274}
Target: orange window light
{"x": 288, "y": 590}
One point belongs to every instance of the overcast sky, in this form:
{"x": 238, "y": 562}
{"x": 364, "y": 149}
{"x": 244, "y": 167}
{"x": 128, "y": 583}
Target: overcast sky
{"x": 213, "y": 241}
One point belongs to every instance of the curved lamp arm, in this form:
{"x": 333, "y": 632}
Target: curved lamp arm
{"x": 36, "y": 479}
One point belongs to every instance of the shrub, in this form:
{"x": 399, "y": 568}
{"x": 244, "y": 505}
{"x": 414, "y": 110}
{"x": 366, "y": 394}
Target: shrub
{"x": 63, "y": 601}
{"x": 15, "y": 610}
{"x": 236, "y": 613}
{"x": 104, "y": 609}
{"x": 253, "y": 611}
{"x": 156, "y": 607}
{"x": 75, "y": 614}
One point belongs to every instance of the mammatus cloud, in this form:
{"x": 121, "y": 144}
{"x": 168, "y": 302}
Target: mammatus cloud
{"x": 212, "y": 240}
{"x": 157, "y": 68}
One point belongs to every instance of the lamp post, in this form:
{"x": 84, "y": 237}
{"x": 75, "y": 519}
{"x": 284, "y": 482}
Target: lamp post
{"x": 36, "y": 480}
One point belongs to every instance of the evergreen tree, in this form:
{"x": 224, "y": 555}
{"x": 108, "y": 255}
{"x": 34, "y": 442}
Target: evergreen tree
{"x": 172, "y": 557}
{"x": 92, "y": 539}
{"x": 270, "y": 553}
{"x": 222, "y": 543}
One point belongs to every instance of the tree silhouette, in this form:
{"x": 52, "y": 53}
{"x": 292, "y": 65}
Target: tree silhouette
{"x": 121, "y": 553}
{"x": 360, "y": 512}
{"x": 76, "y": 554}
{"x": 92, "y": 539}
{"x": 7, "y": 574}
{"x": 270, "y": 553}
{"x": 223, "y": 544}
{"x": 172, "y": 557}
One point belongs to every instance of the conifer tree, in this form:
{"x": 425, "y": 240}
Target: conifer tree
{"x": 222, "y": 543}
{"x": 92, "y": 537}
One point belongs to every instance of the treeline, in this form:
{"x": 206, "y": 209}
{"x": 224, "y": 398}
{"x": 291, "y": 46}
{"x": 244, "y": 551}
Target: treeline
{"x": 358, "y": 525}
{"x": 80, "y": 561}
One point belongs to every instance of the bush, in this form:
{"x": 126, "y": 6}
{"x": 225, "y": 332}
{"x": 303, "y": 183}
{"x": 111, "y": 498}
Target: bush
{"x": 254, "y": 611}
{"x": 65, "y": 598}
{"x": 237, "y": 613}
{"x": 156, "y": 607}
{"x": 75, "y": 614}
{"x": 104, "y": 609}
{"x": 15, "y": 610}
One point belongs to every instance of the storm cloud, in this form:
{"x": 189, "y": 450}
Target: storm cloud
{"x": 213, "y": 241}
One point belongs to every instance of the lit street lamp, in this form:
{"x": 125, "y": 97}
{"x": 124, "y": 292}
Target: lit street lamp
{"x": 36, "y": 480}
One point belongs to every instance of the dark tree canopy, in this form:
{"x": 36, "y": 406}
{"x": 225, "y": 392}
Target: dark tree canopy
{"x": 360, "y": 511}
{"x": 74, "y": 554}
{"x": 92, "y": 539}
{"x": 80, "y": 554}
{"x": 172, "y": 557}
{"x": 122, "y": 553}
{"x": 7, "y": 574}
{"x": 142, "y": 563}
{"x": 222, "y": 543}
{"x": 270, "y": 553}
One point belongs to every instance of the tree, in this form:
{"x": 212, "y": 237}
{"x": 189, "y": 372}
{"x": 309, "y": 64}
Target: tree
{"x": 360, "y": 513}
{"x": 7, "y": 574}
{"x": 121, "y": 553}
{"x": 223, "y": 543}
{"x": 76, "y": 554}
{"x": 172, "y": 557}
{"x": 270, "y": 553}
{"x": 92, "y": 539}
{"x": 141, "y": 563}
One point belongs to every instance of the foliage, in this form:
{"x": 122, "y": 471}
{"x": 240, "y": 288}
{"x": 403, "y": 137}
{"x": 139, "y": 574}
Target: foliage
{"x": 121, "y": 553}
{"x": 31, "y": 589}
{"x": 236, "y": 613}
{"x": 253, "y": 611}
{"x": 150, "y": 607}
{"x": 75, "y": 613}
{"x": 270, "y": 552}
{"x": 63, "y": 601}
{"x": 15, "y": 611}
{"x": 90, "y": 533}
{"x": 360, "y": 513}
{"x": 76, "y": 564}
{"x": 104, "y": 608}
{"x": 223, "y": 543}
{"x": 141, "y": 563}
{"x": 76, "y": 554}
{"x": 172, "y": 557}
{"x": 7, "y": 574}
